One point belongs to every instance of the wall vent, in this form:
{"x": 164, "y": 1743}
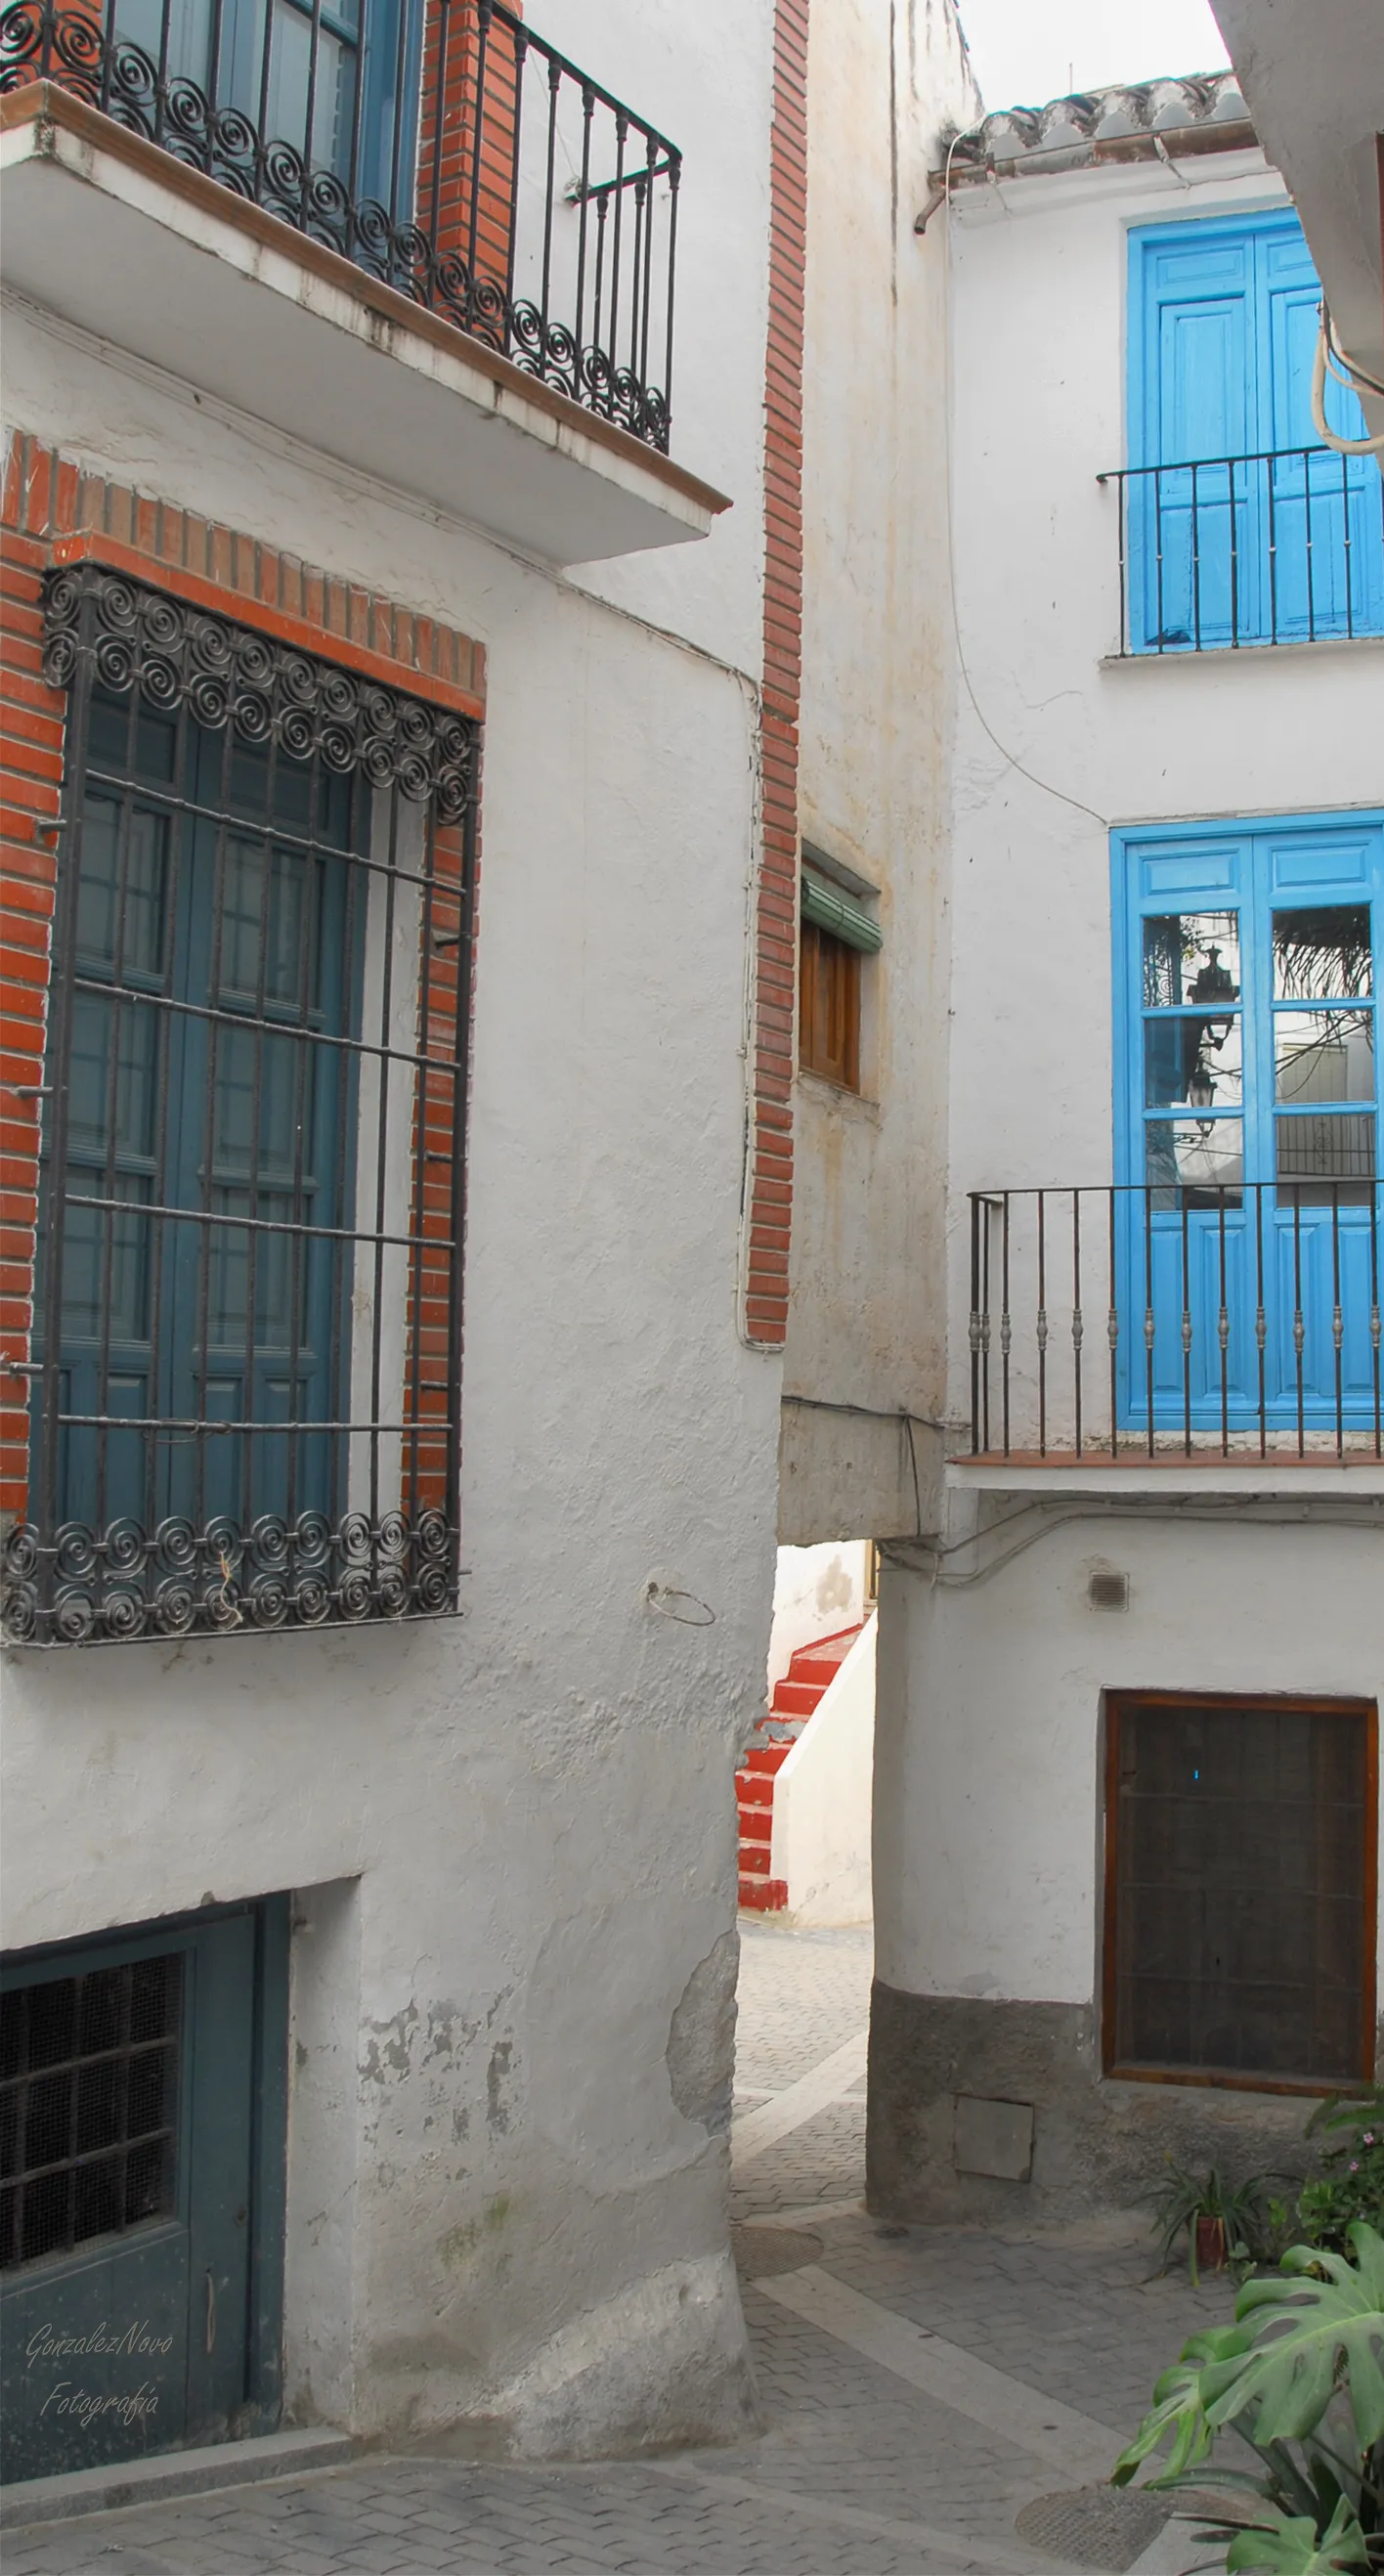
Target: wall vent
{"x": 1108, "y": 1591}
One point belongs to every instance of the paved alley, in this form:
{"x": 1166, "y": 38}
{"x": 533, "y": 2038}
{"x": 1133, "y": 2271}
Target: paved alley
{"x": 935, "y": 2401}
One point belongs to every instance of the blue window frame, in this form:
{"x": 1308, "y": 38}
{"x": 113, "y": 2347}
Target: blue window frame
{"x": 221, "y": 901}
{"x": 1248, "y": 959}
{"x": 1243, "y": 528}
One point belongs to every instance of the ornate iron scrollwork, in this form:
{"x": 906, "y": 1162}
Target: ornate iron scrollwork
{"x": 140, "y": 638}
{"x": 123, "y": 1582}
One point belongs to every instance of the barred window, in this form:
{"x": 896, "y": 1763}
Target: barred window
{"x": 1240, "y": 1914}
{"x": 245, "y": 1371}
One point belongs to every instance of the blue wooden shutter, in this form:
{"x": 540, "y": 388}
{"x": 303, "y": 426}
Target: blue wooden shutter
{"x": 1191, "y": 407}
{"x": 1326, "y": 516}
{"x": 1244, "y": 536}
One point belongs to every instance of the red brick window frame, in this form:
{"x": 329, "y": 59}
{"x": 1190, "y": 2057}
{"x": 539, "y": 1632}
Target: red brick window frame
{"x": 55, "y": 518}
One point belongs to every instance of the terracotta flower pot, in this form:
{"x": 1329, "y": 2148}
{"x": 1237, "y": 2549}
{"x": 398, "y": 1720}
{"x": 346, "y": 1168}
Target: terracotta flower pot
{"x": 1211, "y": 2247}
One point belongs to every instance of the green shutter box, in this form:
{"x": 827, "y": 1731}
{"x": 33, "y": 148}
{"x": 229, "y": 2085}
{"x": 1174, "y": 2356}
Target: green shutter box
{"x": 833, "y": 909}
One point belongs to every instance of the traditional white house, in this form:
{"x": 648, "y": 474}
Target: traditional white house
{"x": 389, "y": 700}
{"x": 1129, "y": 1664}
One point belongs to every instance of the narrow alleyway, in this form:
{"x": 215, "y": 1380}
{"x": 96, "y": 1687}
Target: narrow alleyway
{"x": 924, "y": 2391}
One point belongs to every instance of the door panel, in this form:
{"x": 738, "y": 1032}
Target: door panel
{"x": 129, "y": 2083}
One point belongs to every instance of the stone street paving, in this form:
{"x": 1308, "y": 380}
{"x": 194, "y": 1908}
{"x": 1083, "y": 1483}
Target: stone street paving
{"x": 935, "y": 2400}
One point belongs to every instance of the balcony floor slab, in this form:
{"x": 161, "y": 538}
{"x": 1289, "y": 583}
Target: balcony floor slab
{"x": 1284, "y": 1476}
{"x": 116, "y": 236}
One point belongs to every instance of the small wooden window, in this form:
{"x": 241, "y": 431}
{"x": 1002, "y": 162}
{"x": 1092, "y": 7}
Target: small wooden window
{"x": 1240, "y": 1891}
{"x": 829, "y": 1007}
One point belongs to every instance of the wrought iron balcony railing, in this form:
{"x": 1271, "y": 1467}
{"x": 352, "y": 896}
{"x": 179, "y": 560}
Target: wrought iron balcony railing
{"x": 444, "y": 149}
{"x": 1223, "y": 1318}
{"x": 1282, "y": 548}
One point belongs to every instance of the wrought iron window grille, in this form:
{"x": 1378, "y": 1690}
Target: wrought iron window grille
{"x": 452, "y": 155}
{"x": 1224, "y": 552}
{"x": 247, "y": 1315}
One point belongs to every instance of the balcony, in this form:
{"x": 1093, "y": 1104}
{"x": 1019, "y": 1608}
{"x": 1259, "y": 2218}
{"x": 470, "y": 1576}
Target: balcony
{"x": 1196, "y": 1321}
{"x": 438, "y": 186}
{"x": 1282, "y": 548}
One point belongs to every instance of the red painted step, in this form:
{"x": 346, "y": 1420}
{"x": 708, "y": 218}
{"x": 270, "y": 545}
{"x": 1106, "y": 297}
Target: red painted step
{"x": 796, "y": 1698}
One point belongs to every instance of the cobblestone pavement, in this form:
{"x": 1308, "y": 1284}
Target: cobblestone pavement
{"x": 888, "y": 2451}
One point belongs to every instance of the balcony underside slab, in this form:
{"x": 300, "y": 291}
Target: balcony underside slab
{"x": 113, "y": 235}
{"x": 1357, "y": 1471}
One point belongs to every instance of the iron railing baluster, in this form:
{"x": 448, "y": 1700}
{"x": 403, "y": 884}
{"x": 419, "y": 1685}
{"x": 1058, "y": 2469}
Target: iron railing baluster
{"x": 1261, "y": 1321}
{"x": 1223, "y": 1324}
{"x": 1042, "y": 1332}
{"x": 1186, "y": 1330}
{"x": 973, "y": 1328}
{"x": 1299, "y": 1323}
{"x": 1006, "y": 1334}
{"x": 1337, "y": 1317}
{"x": 1078, "y": 1327}
{"x": 1150, "y": 1324}
{"x": 1112, "y": 1327}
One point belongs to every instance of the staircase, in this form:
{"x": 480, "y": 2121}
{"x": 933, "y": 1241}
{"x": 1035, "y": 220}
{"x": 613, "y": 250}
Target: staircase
{"x": 810, "y": 1675}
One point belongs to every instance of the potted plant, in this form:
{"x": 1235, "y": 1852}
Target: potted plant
{"x": 1298, "y": 2378}
{"x": 1224, "y": 2221}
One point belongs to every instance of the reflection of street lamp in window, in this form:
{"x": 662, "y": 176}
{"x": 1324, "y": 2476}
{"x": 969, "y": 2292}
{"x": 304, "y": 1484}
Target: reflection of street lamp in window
{"x": 1214, "y": 983}
{"x": 1201, "y": 1092}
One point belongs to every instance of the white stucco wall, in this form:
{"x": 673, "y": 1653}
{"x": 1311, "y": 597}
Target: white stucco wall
{"x": 988, "y": 1825}
{"x": 1038, "y": 372}
{"x": 513, "y": 1834}
{"x": 865, "y": 1322}
{"x": 822, "y": 1799}
{"x": 818, "y": 1591}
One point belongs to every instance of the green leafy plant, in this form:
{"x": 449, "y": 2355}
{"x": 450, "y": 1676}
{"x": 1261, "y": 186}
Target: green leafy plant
{"x": 1240, "y": 2210}
{"x": 1298, "y": 2378}
{"x": 1350, "y": 2184}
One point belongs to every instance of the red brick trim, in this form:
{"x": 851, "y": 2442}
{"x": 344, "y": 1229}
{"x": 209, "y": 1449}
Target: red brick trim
{"x": 776, "y": 921}
{"x": 50, "y": 513}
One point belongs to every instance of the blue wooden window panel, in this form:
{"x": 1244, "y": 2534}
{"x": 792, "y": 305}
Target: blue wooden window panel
{"x": 187, "y": 1099}
{"x": 376, "y": 42}
{"x": 1256, "y": 892}
{"x": 1222, "y": 337}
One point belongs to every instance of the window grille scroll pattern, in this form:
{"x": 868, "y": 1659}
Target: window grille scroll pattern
{"x": 128, "y": 637}
{"x": 244, "y": 1391}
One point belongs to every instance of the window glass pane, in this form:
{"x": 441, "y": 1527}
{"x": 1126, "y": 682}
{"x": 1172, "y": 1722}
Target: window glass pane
{"x": 1323, "y": 1055}
{"x": 105, "y": 939}
{"x": 1192, "y": 1061}
{"x": 263, "y": 923}
{"x": 1191, "y": 957}
{"x": 1322, "y": 953}
{"x": 1203, "y": 1157}
{"x": 1326, "y": 1159}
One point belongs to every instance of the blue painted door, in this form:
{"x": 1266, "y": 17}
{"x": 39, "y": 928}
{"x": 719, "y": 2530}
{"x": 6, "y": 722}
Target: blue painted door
{"x": 131, "y": 2089}
{"x": 1247, "y": 973}
{"x": 1235, "y": 541}
{"x": 233, "y": 1101}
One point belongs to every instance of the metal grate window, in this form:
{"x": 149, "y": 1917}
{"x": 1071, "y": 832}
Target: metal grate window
{"x": 89, "y": 2082}
{"x": 247, "y": 1315}
{"x": 1239, "y": 1909}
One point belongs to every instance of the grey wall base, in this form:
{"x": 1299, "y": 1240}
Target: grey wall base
{"x": 1097, "y": 2146}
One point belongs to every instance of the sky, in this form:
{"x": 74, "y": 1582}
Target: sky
{"x": 1025, "y": 52}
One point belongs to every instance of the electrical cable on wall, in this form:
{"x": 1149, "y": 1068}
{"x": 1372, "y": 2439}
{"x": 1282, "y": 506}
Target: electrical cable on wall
{"x": 1011, "y": 758}
{"x": 1344, "y": 371}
